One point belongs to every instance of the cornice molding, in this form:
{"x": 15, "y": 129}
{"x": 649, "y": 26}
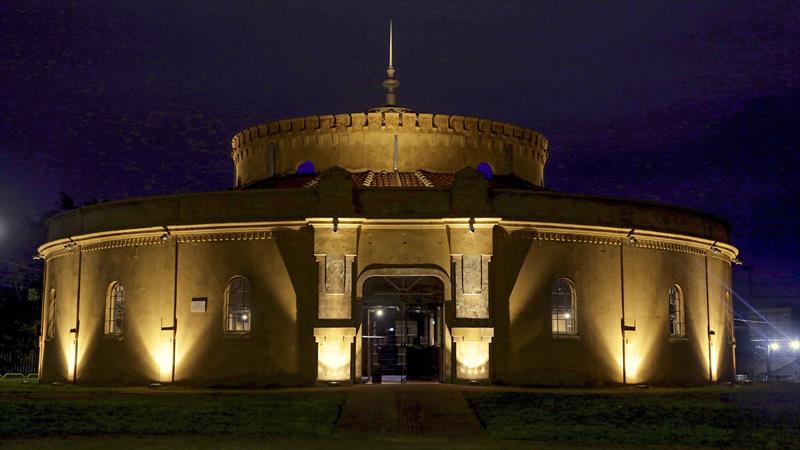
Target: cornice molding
{"x": 620, "y": 236}
{"x": 162, "y": 235}
{"x": 557, "y": 232}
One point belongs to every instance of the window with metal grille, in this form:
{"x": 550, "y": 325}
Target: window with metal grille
{"x": 562, "y": 308}
{"x": 115, "y": 309}
{"x": 51, "y": 315}
{"x": 237, "y": 305}
{"x": 675, "y": 296}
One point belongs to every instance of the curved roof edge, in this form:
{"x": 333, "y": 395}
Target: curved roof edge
{"x": 460, "y": 200}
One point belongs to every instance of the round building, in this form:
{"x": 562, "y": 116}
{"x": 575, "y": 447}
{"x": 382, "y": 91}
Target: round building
{"x": 387, "y": 246}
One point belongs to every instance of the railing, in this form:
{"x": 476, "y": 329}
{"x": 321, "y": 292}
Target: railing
{"x": 12, "y": 364}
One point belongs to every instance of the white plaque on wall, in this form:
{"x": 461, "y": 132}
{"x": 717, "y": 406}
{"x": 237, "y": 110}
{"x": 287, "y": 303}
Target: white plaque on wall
{"x": 199, "y": 304}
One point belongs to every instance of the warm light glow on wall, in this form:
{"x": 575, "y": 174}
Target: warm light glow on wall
{"x": 714, "y": 362}
{"x": 165, "y": 357}
{"x": 472, "y": 352}
{"x": 334, "y": 361}
{"x": 633, "y": 360}
{"x": 70, "y": 358}
{"x": 473, "y": 360}
{"x": 333, "y": 353}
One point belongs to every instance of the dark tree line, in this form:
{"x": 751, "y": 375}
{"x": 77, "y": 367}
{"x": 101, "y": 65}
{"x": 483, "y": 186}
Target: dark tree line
{"x": 21, "y": 280}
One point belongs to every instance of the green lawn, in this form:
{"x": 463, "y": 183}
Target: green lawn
{"x": 35, "y": 410}
{"x": 74, "y": 417}
{"x": 722, "y": 417}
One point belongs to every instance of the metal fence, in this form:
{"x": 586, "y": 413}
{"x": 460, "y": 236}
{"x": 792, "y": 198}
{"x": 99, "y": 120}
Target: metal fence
{"x": 15, "y": 363}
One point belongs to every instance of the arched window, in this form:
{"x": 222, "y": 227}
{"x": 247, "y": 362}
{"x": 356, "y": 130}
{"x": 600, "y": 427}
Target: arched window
{"x": 115, "y": 309}
{"x": 486, "y": 170}
{"x": 562, "y": 308}
{"x": 237, "y": 305}
{"x": 51, "y": 315}
{"x": 675, "y": 297}
{"x": 306, "y": 167}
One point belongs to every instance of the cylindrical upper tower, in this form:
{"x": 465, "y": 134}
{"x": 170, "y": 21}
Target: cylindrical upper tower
{"x": 388, "y": 138}
{"x": 366, "y": 141}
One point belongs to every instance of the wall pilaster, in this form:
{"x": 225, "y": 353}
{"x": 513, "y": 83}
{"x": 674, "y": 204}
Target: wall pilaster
{"x": 471, "y": 250}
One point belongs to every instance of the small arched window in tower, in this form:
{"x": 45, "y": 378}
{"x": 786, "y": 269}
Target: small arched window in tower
{"x": 115, "y": 309}
{"x": 562, "y": 308}
{"x": 237, "y": 305}
{"x": 486, "y": 169}
{"x": 51, "y": 315}
{"x": 305, "y": 168}
{"x": 675, "y": 297}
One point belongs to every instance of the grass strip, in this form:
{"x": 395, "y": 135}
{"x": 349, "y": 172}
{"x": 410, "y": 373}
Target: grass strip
{"x": 722, "y": 418}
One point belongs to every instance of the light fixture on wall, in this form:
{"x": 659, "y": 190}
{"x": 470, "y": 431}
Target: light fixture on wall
{"x": 165, "y": 236}
{"x": 471, "y": 224}
{"x": 38, "y": 257}
{"x": 71, "y": 245}
{"x": 631, "y": 238}
{"x": 737, "y": 261}
{"x": 335, "y": 224}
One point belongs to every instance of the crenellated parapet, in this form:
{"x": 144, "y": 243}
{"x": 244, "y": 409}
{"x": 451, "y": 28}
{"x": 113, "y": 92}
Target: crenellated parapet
{"x": 366, "y": 141}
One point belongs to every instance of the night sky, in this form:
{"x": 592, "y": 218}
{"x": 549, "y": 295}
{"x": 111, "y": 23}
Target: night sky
{"x": 690, "y": 103}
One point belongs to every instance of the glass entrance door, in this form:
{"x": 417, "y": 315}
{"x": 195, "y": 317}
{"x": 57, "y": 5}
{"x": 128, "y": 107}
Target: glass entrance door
{"x": 402, "y": 329}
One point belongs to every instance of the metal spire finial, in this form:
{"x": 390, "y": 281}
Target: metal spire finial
{"x": 390, "y": 83}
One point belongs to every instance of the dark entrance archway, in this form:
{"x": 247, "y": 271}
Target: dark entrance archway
{"x": 403, "y": 329}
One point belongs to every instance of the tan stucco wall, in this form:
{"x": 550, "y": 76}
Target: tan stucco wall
{"x": 277, "y": 351}
{"x": 61, "y": 274}
{"x": 281, "y": 266}
{"x": 287, "y": 240}
{"x": 525, "y": 351}
{"x": 280, "y": 348}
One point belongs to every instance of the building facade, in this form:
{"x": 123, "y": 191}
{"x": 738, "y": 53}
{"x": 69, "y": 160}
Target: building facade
{"x": 387, "y": 245}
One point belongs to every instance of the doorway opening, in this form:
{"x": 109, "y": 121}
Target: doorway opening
{"x": 403, "y": 324}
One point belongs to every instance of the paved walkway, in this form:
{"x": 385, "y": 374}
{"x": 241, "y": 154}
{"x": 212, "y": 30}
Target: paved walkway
{"x": 426, "y": 410}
